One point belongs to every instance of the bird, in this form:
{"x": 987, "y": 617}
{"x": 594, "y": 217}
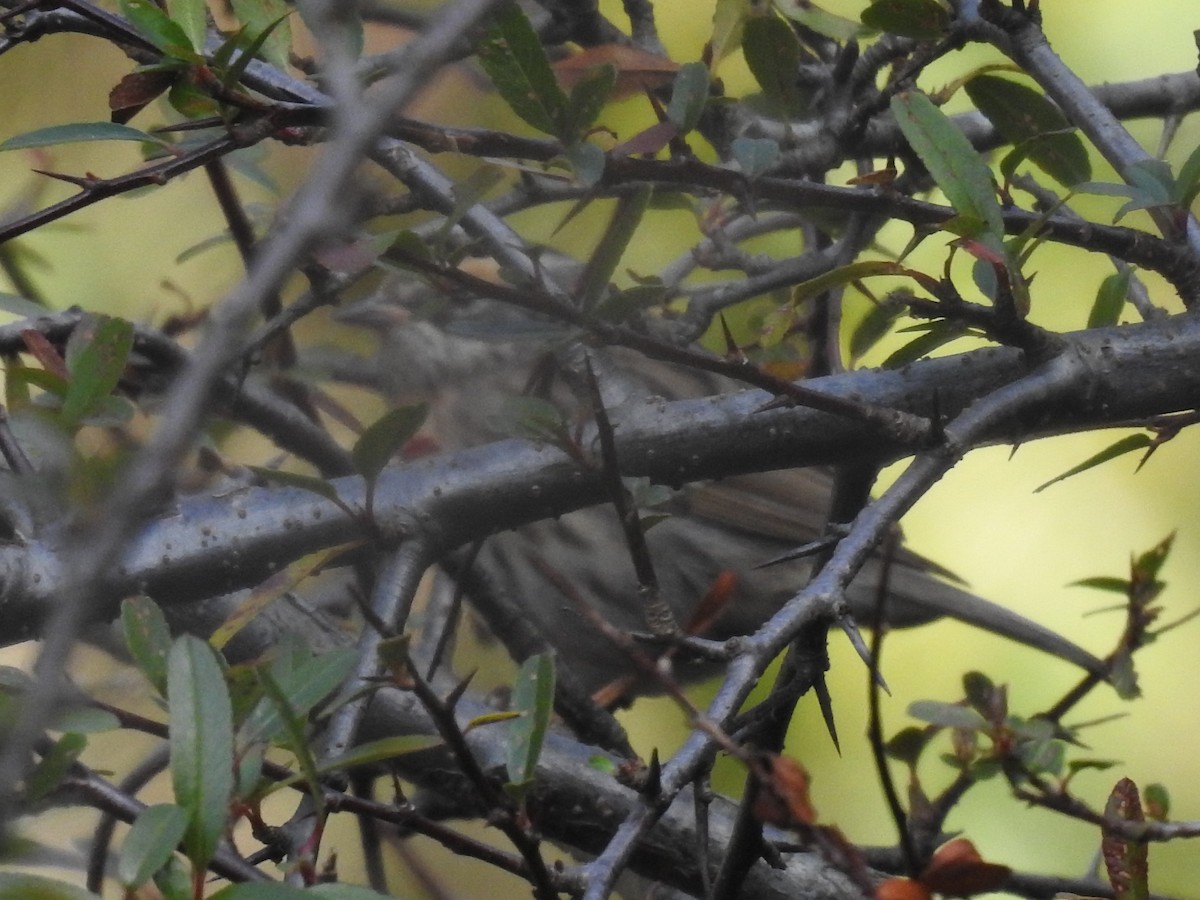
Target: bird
{"x": 471, "y": 365}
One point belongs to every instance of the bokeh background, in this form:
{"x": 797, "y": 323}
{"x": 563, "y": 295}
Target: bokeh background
{"x": 984, "y": 520}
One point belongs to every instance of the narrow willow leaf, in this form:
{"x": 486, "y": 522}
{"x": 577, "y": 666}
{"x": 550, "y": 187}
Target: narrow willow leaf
{"x": 533, "y": 697}
{"x": 873, "y": 327}
{"x": 844, "y": 275}
{"x": 603, "y": 262}
{"x": 954, "y": 164}
{"x": 302, "y": 681}
{"x": 1110, "y": 300}
{"x": 516, "y": 63}
{"x": 201, "y": 744}
{"x": 271, "y": 590}
{"x": 1119, "y": 448}
{"x": 936, "y": 335}
{"x": 79, "y": 132}
{"x": 311, "y": 483}
{"x": 368, "y": 754}
{"x": 150, "y": 843}
{"x": 1022, "y": 114}
{"x": 270, "y": 18}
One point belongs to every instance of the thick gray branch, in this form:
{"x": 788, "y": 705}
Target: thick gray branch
{"x": 206, "y": 545}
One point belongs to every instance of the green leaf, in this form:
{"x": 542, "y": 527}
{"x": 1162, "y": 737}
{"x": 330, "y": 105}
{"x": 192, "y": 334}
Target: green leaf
{"x": 268, "y": 21}
{"x": 980, "y": 692}
{"x": 34, "y": 887}
{"x": 1125, "y": 445}
{"x": 192, "y": 18}
{"x": 919, "y": 19}
{"x": 310, "y": 483}
{"x": 156, "y": 833}
{"x": 773, "y": 54}
{"x": 79, "y": 132}
{"x": 587, "y": 100}
{"x": 533, "y": 697}
{"x": 467, "y": 194}
{"x": 512, "y": 55}
{"x": 1158, "y": 801}
{"x": 156, "y": 26}
{"x": 351, "y": 34}
{"x": 1124, "y": 677}
{"x": 908, "y": 744}
{"x": 531, "y": 417}
{"x": 148, "y": 638}
{"x": 1148, "y": 565}
{"x": 873, "y": 327}
{"x": 201, "y": 744}
{"x": 380, "y": 442}
{"x": 303, "y": 680}
{"x": 293, "y": 736}
{"x": 820, "y": 21}
{"x": 1022, "y": 114}
{"x": 587, "y": 162}
{"x": 844, "y": 275}
{"x": 96, "y": 368}
{"x": 174, "y": 880}
{"x": 368, "y": 754}
{"x": 729, "y": 17}
{"x": 285, "y": 892}
{"x": 689, "y": 94}
{"x": 954, "y": 164}
{"x": 1188, "y": 184}
{"x": 1104, "y": 583}
{"x": 603, "y": 262}
{"x": 1110, "y": 300}
{"x": 754, "y": 155}
{"x": 947, "y": 715}
{"x": 53, "y": 766}
{"x": 935, "y": 335}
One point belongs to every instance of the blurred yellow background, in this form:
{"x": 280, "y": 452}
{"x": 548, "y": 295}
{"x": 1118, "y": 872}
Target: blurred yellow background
{"x": 983, "y": 520}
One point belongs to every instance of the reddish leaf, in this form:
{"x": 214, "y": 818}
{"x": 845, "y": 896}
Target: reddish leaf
{"x": 958, "y": 870}
{"x": 637, "y": 70}
{"x": 783, "y": 797}
{"x": 901, "y": 889}
{"x": 651, "y": 140}
{"x": 715, "y": 601}
{"x": 45, "y": 353}
{"x": 1126, "y": 861}
{"x": 135, "y": 90}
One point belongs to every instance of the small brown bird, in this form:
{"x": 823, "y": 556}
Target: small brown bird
{"x": 712, "y": 529}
